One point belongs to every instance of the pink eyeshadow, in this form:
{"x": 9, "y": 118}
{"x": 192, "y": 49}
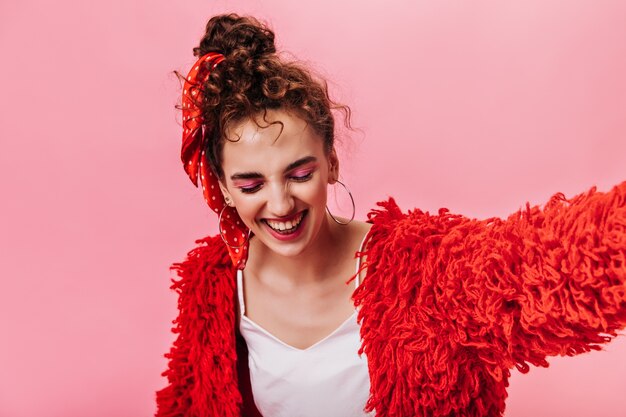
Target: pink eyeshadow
{"x": 247, "y": 184}
{"x": 302, "y": 172}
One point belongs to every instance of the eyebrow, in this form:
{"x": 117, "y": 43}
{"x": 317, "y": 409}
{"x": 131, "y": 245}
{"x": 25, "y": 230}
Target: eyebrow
{"x": 293, "y": 165}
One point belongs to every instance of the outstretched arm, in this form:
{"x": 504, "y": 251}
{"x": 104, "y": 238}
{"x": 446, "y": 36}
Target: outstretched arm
{"x": 542, "y": 282}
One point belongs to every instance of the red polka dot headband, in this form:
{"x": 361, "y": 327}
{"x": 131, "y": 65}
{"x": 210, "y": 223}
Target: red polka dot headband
{"x": 196, "y": 135}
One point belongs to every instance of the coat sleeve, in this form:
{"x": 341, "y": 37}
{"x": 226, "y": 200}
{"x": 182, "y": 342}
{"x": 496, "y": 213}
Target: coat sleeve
{"x": 545, "y": 281}
{"x": 201, "y": 371}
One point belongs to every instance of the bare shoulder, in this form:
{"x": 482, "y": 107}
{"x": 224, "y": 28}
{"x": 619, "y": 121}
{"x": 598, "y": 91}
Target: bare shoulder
{"x": 362, "y": 229}
{"x": 356, "y": 232}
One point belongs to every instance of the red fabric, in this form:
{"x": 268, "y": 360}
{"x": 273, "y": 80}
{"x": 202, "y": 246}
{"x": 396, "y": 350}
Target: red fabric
{"x": 447, "y": 307}
{"x": 196, "y": 136}
{"x": 248, "y": 407}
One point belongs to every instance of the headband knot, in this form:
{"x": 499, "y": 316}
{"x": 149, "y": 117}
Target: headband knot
{"x": 196, "y": 135}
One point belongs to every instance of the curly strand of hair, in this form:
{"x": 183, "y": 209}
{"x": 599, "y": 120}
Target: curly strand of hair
{"x": 254, "y": 78}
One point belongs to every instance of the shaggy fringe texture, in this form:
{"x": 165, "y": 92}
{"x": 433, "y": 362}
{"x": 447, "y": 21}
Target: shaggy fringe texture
{"x": 202, "y": 368}
{"x": 450, "y": 304}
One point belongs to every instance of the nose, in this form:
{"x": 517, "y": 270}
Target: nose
{"x": 280, "y": 202}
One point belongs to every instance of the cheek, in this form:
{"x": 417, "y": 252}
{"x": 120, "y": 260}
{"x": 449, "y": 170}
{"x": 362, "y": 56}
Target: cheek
{"x": 315, "y": 192}
{"x": 248, "y": 208}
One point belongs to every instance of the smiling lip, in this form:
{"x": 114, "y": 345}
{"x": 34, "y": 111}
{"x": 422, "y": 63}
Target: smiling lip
{"x": 290, "y": 236}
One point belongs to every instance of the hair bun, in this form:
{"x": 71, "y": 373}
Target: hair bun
{"x": 235, "y": 36}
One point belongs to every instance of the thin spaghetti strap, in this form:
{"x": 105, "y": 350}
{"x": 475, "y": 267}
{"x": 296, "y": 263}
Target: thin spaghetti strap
{"x": 242, "y": 306}
{"x": 357, "y": 279}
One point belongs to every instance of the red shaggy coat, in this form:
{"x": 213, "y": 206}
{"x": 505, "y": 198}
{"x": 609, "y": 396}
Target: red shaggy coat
{"x": 448, "y": 307}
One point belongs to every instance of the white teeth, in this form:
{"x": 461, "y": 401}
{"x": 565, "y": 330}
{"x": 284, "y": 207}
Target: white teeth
{"x": 282, "y": 226}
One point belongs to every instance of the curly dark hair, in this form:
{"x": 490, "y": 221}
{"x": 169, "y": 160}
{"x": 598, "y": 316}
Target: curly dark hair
{"x": 253, "y": 78}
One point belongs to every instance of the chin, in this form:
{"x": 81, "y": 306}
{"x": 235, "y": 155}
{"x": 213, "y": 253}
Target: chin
{"x": 285, "y": 252}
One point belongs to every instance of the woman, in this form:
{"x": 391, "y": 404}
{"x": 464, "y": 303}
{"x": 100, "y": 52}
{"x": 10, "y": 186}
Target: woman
{"x": 444, "y": 306}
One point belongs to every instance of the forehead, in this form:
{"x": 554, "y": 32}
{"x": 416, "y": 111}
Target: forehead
{"x": 266, "y": 144}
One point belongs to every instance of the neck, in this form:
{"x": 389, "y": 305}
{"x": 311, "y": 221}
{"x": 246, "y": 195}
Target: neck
{"x": 313, "y": 265}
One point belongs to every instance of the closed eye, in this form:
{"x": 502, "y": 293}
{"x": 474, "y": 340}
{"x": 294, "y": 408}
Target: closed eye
{"x": 248, "y": 189}
{"x": 302, "y": 177}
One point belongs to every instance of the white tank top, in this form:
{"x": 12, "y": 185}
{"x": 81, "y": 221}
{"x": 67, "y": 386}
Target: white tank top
{"x": 326, "y": 379}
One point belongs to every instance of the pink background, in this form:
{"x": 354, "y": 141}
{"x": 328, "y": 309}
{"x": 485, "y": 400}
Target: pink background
{"x": 476, "y": 106}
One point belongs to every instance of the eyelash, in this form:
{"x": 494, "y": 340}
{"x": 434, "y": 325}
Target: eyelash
{"x": 299, "y": 178}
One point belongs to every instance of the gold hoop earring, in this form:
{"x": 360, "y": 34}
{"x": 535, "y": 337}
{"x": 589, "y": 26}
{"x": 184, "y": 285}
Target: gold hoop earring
{"x": 219, "y": 227}
{"x": 353, "y": 207}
